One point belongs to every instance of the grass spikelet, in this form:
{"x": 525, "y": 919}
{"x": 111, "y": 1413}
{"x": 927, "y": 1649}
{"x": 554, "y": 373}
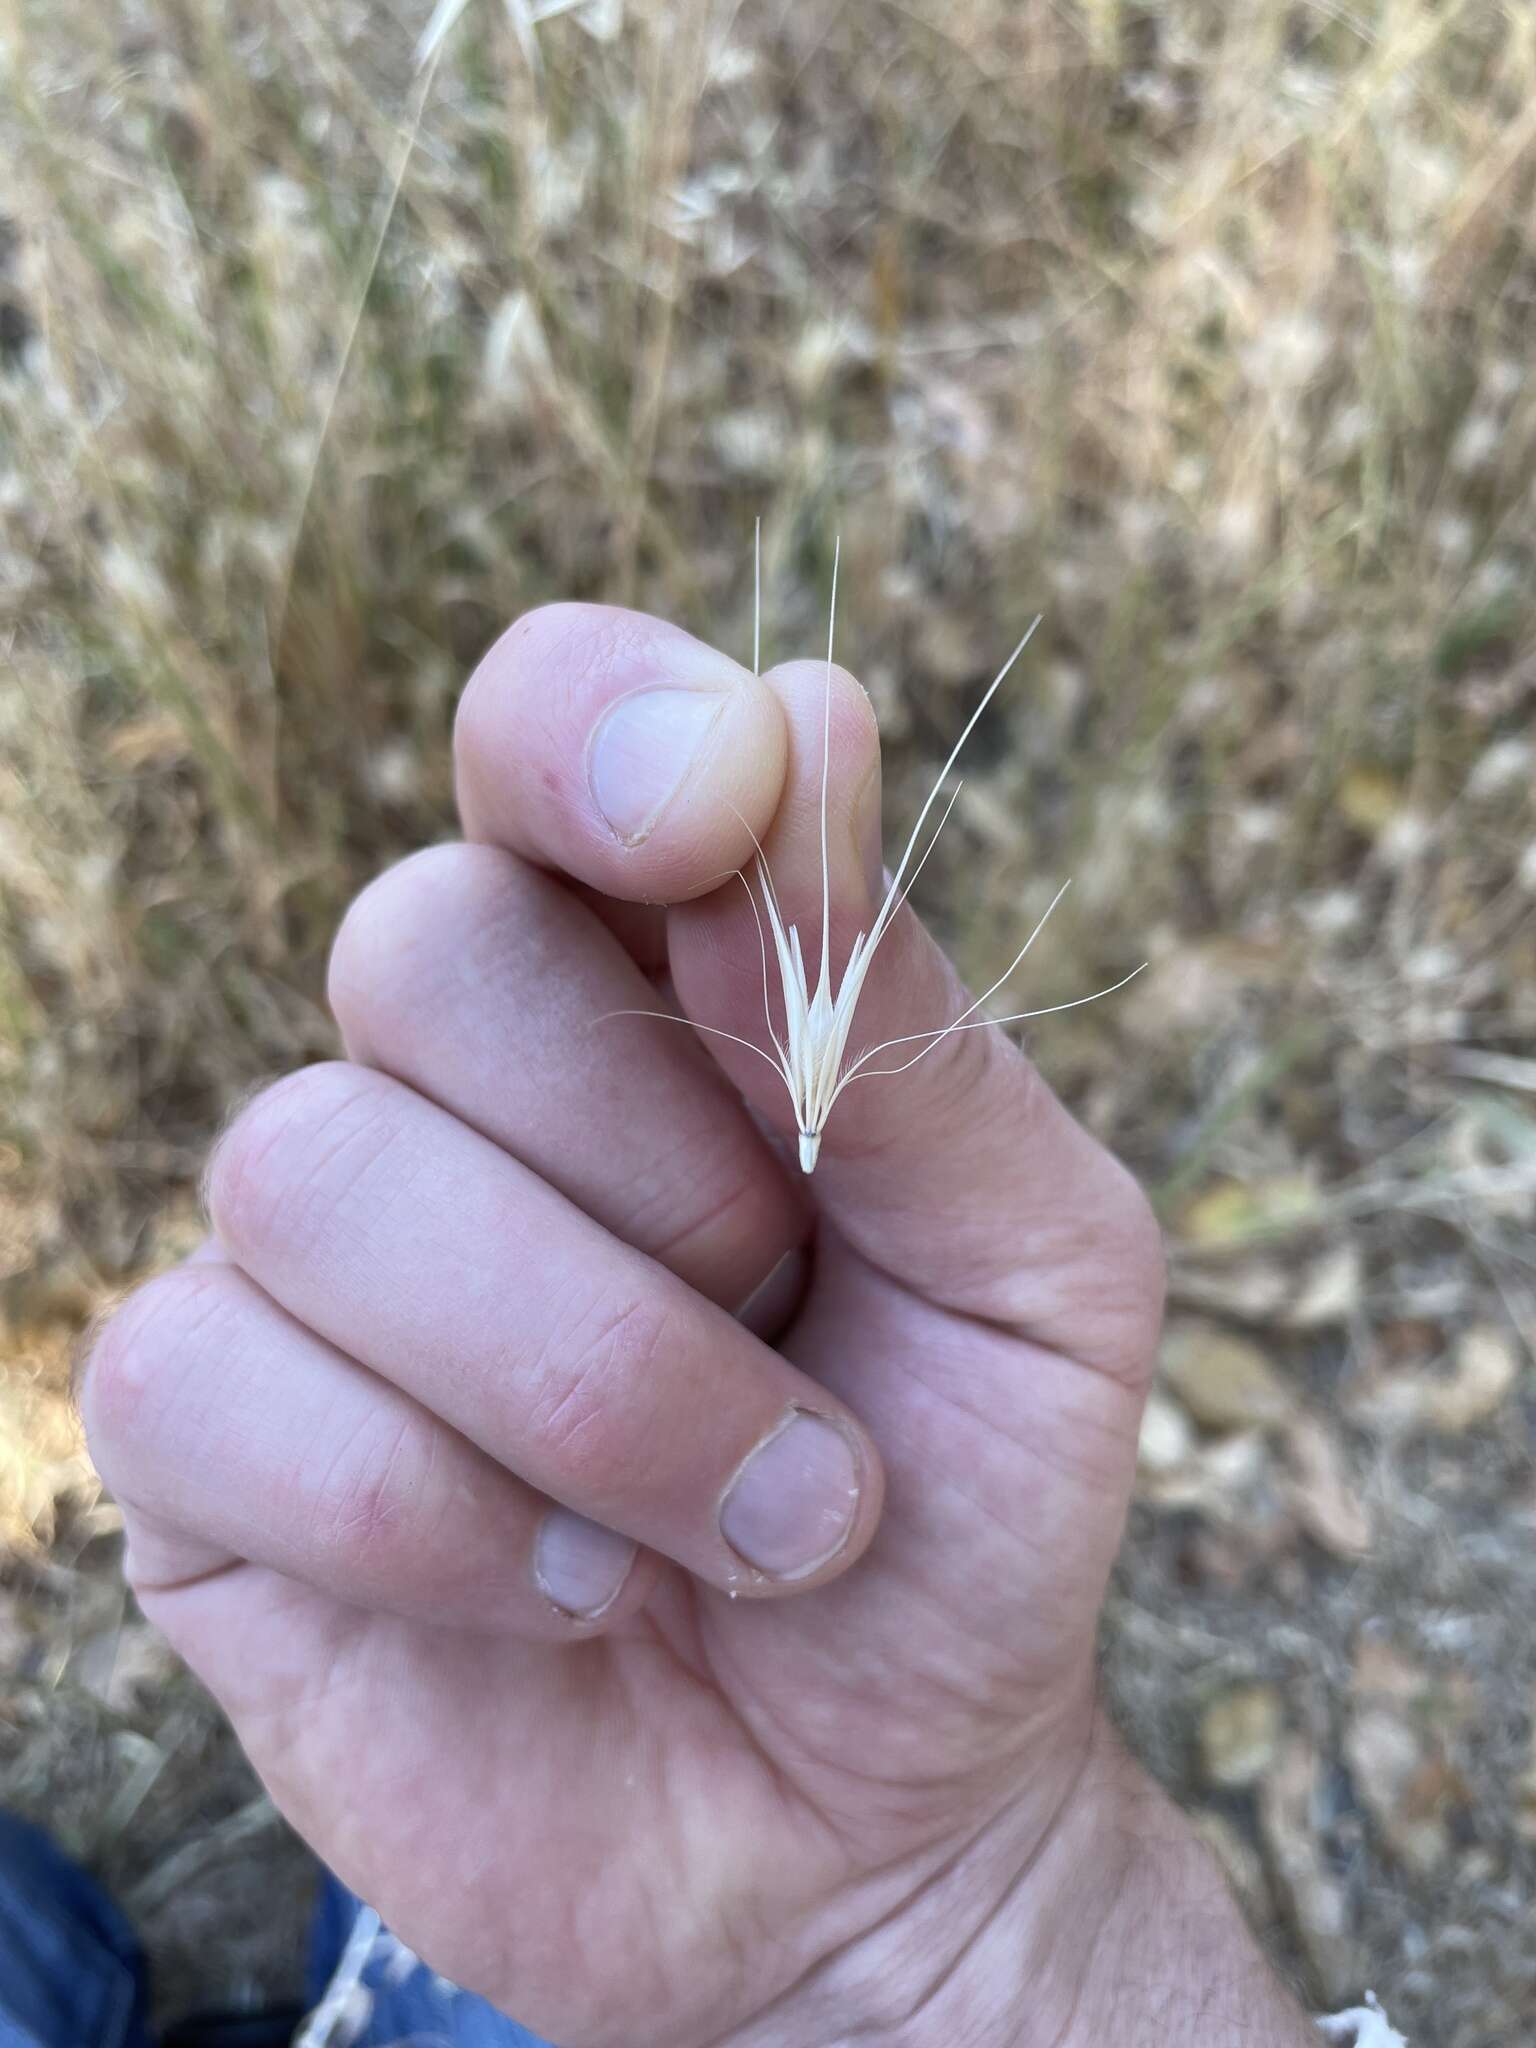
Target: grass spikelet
{"x": 811, "y": 1057}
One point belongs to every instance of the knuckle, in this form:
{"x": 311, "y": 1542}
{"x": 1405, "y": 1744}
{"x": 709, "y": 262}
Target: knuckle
{"x": 1138, "y": 1270}
{"x": 974, "y": 1068}
{"x": 403, "y": 941}
{"x": 284, "y": 1152}
{"x": 591, "y": 1385}
{"x": 142, "y": 1355}
{"x": 959, "y": 1080}
{"x": 709, "y": 1214}
{"x": 1144, "y": 1251}
{"x": 369, "y": 1500}
{"x": 1120, "y": 1243}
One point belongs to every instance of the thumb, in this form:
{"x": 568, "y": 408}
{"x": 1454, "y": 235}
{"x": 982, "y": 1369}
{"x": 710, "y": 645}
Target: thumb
{"x": 962, "y": 1176}
{"x": 618, "y": 750}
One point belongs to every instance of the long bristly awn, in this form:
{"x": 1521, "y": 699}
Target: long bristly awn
{"x": 811, "y": 1058}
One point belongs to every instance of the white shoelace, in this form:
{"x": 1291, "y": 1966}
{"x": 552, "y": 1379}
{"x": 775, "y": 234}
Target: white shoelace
{"x": 1364, "y": 2026}
{"x": 337, "y": 2016}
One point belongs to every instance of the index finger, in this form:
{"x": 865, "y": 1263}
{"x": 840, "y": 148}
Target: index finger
{"x": 964, "y": 1176}
{"x": 619, "y": 750}
{"x": 957, "y": 1171}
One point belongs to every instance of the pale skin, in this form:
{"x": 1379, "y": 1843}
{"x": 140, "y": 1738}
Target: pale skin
{"x": 815, "y": 1761}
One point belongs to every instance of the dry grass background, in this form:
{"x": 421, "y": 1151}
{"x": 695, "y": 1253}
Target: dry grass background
{"x": 1202, "y": 328}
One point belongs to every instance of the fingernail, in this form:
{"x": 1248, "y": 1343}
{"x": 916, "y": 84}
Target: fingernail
{"x": 641, "y": 752}
{"x": 580, "y": 1565}
{"x": 791, "y": 1505}
{"x": 771, "y": 1303}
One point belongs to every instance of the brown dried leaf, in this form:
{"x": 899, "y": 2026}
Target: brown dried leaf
{"x": 1326, "y": 1289}
{"x": 1329, "y": 1290}
{"x": 1233, "y": 1211}
{"x": 1225, "y": 1381}
{"x": 1226, "y": 1481}
{"x": 1254, "y": 1290}
{"x": 1385, "y": 1755}
{"x": 1240, "y": 1734}
{"x": 1402, "y": 1717}
{"x": 42, "y": 1448}
{"x": 1487, "y": 1366}
{"x": 1408, "y": 1787}
{"x": 1311, "y": 1894}
{"x": 1322, "y": 1490}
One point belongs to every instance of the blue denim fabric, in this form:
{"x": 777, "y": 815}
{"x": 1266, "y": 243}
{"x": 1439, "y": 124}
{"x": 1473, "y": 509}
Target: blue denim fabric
{"x": 71, "y": 1973}
{"x": 407, "y": 2003}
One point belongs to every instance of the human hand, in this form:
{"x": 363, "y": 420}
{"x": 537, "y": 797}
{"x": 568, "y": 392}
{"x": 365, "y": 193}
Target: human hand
{"x": 819, "y": 1759}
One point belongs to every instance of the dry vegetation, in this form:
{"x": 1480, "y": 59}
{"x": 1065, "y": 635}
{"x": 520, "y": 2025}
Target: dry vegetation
{"x": 1200, "y": 326}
